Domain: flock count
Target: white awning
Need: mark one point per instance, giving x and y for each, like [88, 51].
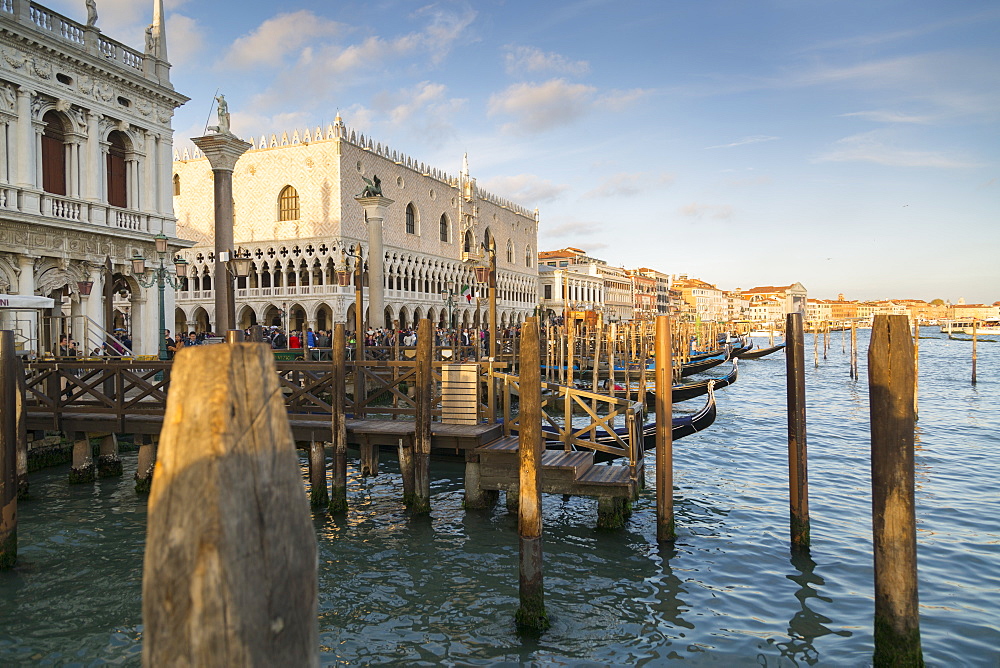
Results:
[27, 302]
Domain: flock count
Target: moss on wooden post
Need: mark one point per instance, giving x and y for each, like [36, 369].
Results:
[338, 492]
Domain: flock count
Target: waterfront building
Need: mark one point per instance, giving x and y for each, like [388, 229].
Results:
[564, 291]
[644, 304]
[85, 154]
[706, 300]
[296, 214]
[792, 297]
[975, 311]
[619, 303]
[662, 289]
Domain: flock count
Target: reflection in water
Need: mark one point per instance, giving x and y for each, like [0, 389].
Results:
[667, 605]
[806, 625]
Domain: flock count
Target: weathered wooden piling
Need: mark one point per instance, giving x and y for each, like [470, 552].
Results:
[8, 450]
[665, 528]
[230, 561]
[109, 463]
[318, 495]
[422, 438]
[854, 351]
[894, 521]
[974, 355]
[82, 470]
[20, 397]
[916, 370]
[798, 477]
[531, 614]
[146, 463]
[338, 416]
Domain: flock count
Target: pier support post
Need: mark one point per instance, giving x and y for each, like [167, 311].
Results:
[406, 470]
[318, 496]
[369, 458]
[20, 397]
[476, 498]
[109, 464]
[422, 439]
[612, 512]
[82, 470]
[8, 450]
[229, 577]
[512, 500]
[531, 614]
[338, 493]
[798, 475]
[894, 519]
[145, 464]
[665, 529]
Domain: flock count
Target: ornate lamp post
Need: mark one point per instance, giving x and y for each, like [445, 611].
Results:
[159, 276]
[359, 307]
[487, 275]
[448, 294]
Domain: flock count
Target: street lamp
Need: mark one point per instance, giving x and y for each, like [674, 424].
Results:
[159, 276]
[342, 279]
[487, 275]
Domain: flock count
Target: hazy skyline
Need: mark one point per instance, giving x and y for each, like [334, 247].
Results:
[849, 146]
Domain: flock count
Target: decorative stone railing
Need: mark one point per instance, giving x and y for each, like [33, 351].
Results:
[44, 19]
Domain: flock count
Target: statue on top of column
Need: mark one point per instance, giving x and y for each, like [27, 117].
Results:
[91, 13]
[223, 127]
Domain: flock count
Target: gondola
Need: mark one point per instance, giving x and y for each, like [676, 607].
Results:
[741, 347]
[760, 352]
[692, 368]
[684, 391]
[683, 425]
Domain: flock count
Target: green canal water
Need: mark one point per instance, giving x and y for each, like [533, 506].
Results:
[443, 590]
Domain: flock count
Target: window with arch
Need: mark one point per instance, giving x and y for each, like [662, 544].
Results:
[117, 179]
[529, 261]
[444, 229]
[469, 243]
[53, 154]
[288, 204]
[510, 252]
[411, 219]
[177, 185]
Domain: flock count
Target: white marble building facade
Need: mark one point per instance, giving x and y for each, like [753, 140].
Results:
[85, 166]
[295, 212]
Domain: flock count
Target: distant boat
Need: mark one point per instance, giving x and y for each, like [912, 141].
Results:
[760, 352]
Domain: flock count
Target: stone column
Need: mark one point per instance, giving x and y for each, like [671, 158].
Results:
[165, 182]
[4, 150]
[222, 151]
[92, 187]
[375, 212]
[25, 146]
[95, 306]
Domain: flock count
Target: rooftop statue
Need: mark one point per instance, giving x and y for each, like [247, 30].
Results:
[372, 189]
[91, 13]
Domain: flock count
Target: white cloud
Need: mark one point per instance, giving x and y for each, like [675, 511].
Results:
[626, 184]
[539, 107]
[886, 116]
[526, 189]
[753, 139]
[277, 37]
[574, 228]
[869, 147]
[185, 40]
[530, 60]
[701, 211]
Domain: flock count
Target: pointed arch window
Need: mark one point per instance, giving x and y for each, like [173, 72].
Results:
[528, 259]
[288, 204]
[444, 229]
[177, 185]
[510, 252]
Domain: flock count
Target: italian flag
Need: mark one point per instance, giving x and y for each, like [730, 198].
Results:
[467, 293]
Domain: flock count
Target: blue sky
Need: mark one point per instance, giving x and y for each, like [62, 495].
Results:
[848, 145]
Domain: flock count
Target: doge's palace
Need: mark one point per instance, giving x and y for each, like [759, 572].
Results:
[85, 169]
[295, 212]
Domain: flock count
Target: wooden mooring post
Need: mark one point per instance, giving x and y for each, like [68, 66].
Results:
[894, 520]
[338, 416]
[230, 562]
[21, 397]
[146, 463]
[422, 438]
[319, 497]
[531, 616]
[9, 388]
[665, 529]
[798, 476]
[974, 355]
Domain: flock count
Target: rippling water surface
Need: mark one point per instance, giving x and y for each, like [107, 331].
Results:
[729, 592]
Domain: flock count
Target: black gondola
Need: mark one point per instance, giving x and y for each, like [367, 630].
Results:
[760, 352]
[692, 368]
[684, 391]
